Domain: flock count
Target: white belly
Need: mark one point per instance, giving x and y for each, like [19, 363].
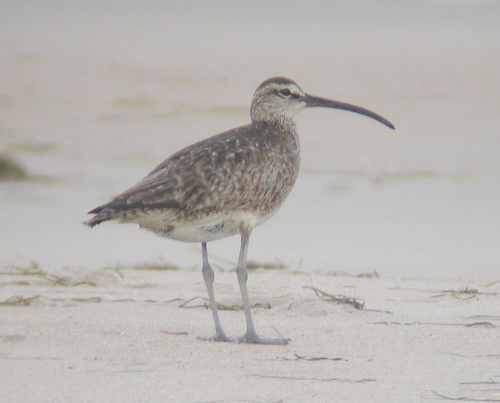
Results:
[211, 228]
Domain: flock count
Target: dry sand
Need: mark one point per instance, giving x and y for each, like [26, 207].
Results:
[94, 94]
[131, 336]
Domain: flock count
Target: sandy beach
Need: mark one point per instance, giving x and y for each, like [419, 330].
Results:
[131, 335]
[382, 267]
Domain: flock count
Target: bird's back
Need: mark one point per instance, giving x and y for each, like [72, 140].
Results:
[245, 173]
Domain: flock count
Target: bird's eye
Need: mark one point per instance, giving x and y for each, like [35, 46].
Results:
[285, 92]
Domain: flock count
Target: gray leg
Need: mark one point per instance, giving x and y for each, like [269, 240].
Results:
[208, 276]
[250, 336]
[241, 271]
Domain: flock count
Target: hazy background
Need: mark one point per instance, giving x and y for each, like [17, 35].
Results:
[93, 95]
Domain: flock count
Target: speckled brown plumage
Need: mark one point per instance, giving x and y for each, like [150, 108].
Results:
[249, 168]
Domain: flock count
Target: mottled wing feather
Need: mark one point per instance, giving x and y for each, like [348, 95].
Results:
[233, 170]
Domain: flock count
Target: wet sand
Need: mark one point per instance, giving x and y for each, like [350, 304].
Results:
[89, 118]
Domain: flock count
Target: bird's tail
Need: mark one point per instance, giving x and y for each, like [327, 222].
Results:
[101, 214]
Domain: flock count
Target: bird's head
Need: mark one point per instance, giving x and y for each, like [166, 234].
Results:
[278, 99]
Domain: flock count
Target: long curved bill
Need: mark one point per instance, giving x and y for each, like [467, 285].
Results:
[312, 101]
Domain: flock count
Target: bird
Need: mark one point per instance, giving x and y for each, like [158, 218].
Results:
[226, 185]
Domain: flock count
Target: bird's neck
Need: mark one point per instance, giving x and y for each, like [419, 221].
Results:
[277, 125]
[285, 130]
[281, 122]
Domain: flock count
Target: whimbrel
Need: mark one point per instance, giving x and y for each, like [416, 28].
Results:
[226, 185]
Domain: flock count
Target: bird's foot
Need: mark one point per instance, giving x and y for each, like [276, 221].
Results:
[218, 337]
[248, 337]
[252, 338]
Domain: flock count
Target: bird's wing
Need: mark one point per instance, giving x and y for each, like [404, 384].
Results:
[224, 171]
